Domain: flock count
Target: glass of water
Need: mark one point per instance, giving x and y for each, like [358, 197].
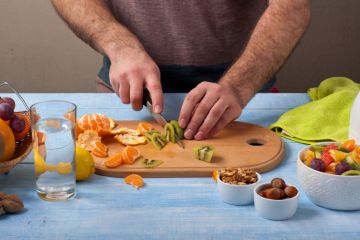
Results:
[53, 125]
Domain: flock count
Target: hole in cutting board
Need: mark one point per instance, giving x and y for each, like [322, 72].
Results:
[255, 142]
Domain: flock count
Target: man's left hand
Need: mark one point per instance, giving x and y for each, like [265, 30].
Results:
[207, 109]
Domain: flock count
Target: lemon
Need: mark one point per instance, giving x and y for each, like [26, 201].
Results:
[40, 165]
[85, 165]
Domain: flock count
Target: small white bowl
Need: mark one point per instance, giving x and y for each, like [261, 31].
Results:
[237, 194]
[274, 209]
[327, 190]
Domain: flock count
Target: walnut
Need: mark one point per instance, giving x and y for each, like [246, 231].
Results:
[10, 204]
[238, 176]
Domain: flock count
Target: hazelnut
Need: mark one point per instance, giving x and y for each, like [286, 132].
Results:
[2, 195]
[11, 206]
[291, 191]
[2, 210]
[278, 183]
[274, 193]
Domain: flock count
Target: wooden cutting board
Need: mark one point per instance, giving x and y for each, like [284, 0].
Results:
[238, 145]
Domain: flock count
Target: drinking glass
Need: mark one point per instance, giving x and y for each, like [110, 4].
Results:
[53, 124]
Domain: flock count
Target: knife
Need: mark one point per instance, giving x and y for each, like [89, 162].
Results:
[158, 117]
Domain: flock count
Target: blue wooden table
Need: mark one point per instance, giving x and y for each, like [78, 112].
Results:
[166, 208]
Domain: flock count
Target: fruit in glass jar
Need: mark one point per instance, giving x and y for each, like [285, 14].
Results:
[318, 165]
[342, 167]
[6, 111]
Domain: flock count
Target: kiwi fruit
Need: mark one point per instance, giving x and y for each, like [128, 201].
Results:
[169, 133]
[179, 131]
[203, 153]
[151, 163]
[158, 141]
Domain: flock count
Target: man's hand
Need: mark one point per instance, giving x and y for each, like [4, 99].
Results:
[131, 70]
[208, 108]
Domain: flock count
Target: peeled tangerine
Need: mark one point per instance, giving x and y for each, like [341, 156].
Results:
[134, 180]
[7, 142]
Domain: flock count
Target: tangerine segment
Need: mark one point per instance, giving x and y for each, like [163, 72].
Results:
[144, 127]
[114, 161]
[215, 175]
[99, 149]
[96, 122]
[130, 154]
[134, 180]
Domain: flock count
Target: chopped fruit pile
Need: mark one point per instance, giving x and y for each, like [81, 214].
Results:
[172, 133]
[127, 156]
[203, 153]
[14, 127]
[134, 180]
[340, 159]
[91, 141]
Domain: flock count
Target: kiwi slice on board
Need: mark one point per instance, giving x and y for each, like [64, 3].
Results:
[158, 141]
[151, 163]
[169, 133]
[203, 153]
[179, 131]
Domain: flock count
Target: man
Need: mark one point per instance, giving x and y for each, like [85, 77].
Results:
[221, 51]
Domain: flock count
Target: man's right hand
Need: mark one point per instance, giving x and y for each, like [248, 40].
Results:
[131, 71]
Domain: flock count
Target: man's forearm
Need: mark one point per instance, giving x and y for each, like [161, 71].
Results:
[274, 37]
[94, 23]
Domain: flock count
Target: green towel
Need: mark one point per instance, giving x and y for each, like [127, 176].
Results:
[326, 118]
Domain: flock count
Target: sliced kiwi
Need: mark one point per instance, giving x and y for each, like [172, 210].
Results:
[169, 133]
[158, 141]
[151, 163]
[351, 173]
[203, 153]
[179, 131]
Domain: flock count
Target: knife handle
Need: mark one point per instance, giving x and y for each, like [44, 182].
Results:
[146, 97]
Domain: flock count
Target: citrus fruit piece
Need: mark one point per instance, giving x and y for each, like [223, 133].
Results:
[131, 140]
[7, 142]
[95, 122]
[114, 161]
[144, 127]
[84, 163]
[21, 135]
[130, 154]
[100, 149]
[134, 180]
[64, 168]
[88, 139]
[39, 162]
[124, 130]
[215, 175]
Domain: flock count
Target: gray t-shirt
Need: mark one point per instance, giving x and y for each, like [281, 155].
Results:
[189, 34]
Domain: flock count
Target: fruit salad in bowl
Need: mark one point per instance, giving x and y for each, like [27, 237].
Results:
[329, 174]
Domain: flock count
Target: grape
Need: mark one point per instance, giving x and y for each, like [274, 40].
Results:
[17, 124]
[317, 164]
[9, 100]
[342, 167]
[6, 111]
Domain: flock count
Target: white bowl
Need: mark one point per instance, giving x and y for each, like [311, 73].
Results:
[327, 190]
[274, 209]
[237, 194]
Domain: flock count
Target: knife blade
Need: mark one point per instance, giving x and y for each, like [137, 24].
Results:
[158, 117]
